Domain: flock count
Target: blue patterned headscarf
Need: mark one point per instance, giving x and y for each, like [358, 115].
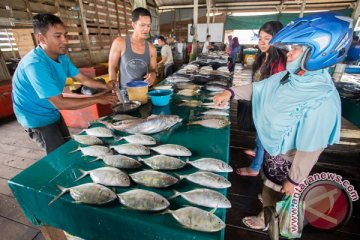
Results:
[303, 114]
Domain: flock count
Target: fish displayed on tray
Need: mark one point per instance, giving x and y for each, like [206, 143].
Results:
[143, 200]
[89, 193]
[108, 176]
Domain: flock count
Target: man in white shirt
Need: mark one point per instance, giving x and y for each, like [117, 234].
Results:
[166, 57]
[207, 45]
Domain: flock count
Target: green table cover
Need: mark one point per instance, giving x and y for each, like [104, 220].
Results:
[34, 187]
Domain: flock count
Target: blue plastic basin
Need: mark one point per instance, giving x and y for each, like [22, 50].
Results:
[160, 97]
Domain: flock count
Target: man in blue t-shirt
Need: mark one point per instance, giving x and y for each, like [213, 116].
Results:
[39, 81]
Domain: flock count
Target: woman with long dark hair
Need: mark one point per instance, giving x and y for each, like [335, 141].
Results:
[269, 60]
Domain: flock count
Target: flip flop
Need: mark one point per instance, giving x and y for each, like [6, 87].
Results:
[246, 172]
[254, 222]
[250, 152]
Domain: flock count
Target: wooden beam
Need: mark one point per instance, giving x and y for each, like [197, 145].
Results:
[303, 5]
[356, 12]
[85, 30]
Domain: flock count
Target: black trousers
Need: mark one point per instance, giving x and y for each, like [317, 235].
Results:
[168, 70]
[50, 137]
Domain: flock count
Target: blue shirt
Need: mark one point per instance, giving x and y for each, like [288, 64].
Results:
[37, 78]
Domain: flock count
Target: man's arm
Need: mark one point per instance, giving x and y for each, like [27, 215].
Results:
[117, 48]
[68, 103]
[151, 76]
[89, 82]
[163, 60]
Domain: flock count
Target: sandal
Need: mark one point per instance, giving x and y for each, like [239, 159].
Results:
[246, 172]
[250, 152]
[254, 222]
[272, 220]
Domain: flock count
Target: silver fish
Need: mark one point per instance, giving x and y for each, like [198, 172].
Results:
[172, 150]
[216, 112]
[87, 140]
[94, 151]
[121, 117]
[99, 132]
[198, 219]
[154, 124]
[215, 88]
[191, 103]
[151, 178]
[191, 86]
[177, 79]
[108, 176]
[207, 179]
[211, 123]
[139, 139]
[121, 125]
[143, 200]
[162, 162]
[225, 107]
[204, 197]
[204, 117]
[90, 193]
[131, 149]
[163, 87]
[188, 93]
[119, 161]
[211, 165]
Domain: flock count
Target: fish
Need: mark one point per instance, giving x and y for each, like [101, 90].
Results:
[119, 161]
[204, 197]
[94, 151]
[218, 82]
[162, 162]
[151, 178]
[225, 107]
[211, 123]
[197, 219]
[211, 165]
[89, 193]
[99, 132]
[216, 112]
[190, 86]
[164, 87]
[215, 88]
[153, 124]
[121, 125]
[172, 150]
[204, 117]
[139, 139]
[188, 93]
[207, 179]
[191, 103]
[143, 200]
[87, 140]
[131, 149]
[177, 79]
[108, 176]
[121, 117]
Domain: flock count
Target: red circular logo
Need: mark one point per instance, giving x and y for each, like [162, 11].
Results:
[327, 205]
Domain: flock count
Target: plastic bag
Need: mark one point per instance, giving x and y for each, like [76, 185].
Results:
[291, 217]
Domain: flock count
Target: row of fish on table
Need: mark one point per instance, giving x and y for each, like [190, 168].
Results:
[139, 145]
[195, 84]
[130, 156]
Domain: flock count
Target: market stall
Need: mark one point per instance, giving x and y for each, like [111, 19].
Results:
[113, 220]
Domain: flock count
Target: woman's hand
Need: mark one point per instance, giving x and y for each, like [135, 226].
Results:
[222, 98]
[288, 188]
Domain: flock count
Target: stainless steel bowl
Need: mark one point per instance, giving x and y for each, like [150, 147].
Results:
[127, 107]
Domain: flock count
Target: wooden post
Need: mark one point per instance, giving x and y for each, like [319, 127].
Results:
[126, 23]
[356, 12]
[302, 8]
[195, 36]
[208, 7]
[117, 16]
[98, 26]
[85, 30]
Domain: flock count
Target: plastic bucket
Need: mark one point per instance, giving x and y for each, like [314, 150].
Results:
[160, 97]
[137, 91]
